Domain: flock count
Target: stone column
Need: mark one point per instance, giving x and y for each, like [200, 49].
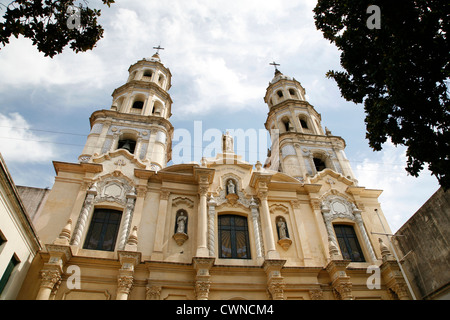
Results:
[51, 273]
[131, 200]
[204, 177]
[257, 229]
[114, 142]
[211, 226]
[160, 226]
[137, 148]
[203, 278]
[275, 282]
[304, 243]
[202, 223]
[129, 260]
[327, 217]
[360, 223]
[268, 236]
[80, 200]
[82, 219]
[340, 281]
[153, 292]
[50, 278]
[124, 285]
[141, 192]
[392, 275]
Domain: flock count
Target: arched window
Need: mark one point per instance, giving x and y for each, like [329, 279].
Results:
[233, 237]
[158, 108]
[161, 80]
[280, 94]
[287, 124]
[292, 93]
[304, 123]
[319, 163]
[348, 243]
[138, 105]
[148, 73]
[103, 230]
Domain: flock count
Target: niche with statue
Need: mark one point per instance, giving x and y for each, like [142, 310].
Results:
[283, 233]
[181, 225]
[231, 191]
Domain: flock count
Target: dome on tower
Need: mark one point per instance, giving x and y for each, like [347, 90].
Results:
[280, 76]
[283, 88]
[154, 58]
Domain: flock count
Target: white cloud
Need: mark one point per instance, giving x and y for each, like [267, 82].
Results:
[20, 145]
[219, 53]
[402, 194]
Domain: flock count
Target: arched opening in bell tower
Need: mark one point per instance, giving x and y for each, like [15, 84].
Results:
[319, 163]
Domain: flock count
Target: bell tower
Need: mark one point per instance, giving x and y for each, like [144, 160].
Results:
[137, 124]
[300, 146]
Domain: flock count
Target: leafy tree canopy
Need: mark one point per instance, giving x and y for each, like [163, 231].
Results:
[52, 25]
[400, 71]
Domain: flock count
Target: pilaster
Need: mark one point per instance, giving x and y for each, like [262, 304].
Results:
[202, 278]
[51, 273]
[392, 275]
[204, 177]
[211, 226]
[275, 282]
[340, 281]
[128, 260]
[260, 182]
[153, 292]
[160, 226]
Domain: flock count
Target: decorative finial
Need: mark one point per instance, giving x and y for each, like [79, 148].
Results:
[385, 252]
[333, 250]
[64, 236]
[132, 241]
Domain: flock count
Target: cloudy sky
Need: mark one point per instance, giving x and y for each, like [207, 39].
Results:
[218, 53]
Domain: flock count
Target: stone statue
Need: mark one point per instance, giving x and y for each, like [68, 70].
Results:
[181, 223]
[227, 143]
[231, 187]
[282, 229]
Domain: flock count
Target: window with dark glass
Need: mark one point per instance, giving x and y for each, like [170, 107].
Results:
[348, 243]
[233, 237]
[7, 274]
[103, 230]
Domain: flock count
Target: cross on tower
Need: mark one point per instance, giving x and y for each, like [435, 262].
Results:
[158, 48]
[275, 65]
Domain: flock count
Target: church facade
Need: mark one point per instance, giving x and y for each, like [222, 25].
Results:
[121, 224]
